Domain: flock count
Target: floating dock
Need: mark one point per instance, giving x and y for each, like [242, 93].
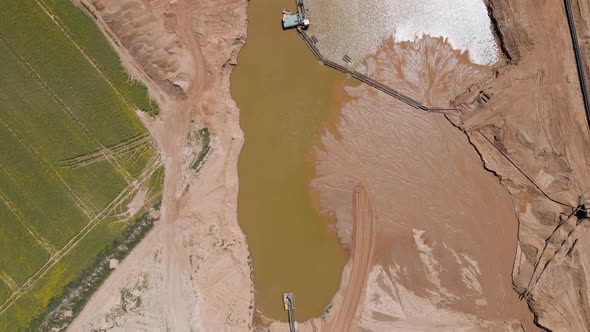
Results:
[289, 304]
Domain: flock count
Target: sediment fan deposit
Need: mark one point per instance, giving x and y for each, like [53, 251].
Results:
[445, 231]
[191, 272]
[441, 260]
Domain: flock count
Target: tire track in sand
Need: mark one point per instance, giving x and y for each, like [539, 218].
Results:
[362, 252]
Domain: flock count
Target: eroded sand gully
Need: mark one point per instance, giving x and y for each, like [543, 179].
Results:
[446, 230]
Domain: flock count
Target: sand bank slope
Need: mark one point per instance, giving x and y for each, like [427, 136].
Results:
[533, 134]
[191, 272]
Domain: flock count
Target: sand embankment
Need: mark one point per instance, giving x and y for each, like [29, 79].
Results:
[191, 272]
[346, 318]
[446, 234]
[534, 135]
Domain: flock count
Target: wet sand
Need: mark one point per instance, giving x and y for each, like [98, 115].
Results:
[446, 230]
[347, 314]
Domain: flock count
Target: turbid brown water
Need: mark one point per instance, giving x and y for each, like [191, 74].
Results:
[284, 97]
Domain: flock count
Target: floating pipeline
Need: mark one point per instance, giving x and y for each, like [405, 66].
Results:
[369, 81]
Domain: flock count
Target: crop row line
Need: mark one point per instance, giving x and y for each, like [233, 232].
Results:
[84, 207]
[121, 197]
[18, 215]
[7, 280]
[54, 18]
[72, 115]
[48, 219]
[137, 153]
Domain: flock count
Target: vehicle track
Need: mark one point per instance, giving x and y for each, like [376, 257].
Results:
[113, 151]
[362, 253]
[49, 248]
[123, 195]
[69, 112]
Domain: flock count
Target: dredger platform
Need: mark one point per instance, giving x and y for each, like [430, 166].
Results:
[289, 303]
[296, 20]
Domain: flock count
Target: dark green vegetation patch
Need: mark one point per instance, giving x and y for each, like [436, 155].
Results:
[73, 154]
[200, 159]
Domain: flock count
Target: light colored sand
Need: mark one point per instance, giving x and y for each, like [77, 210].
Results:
[537, 125]
[446, 234]
[191, 272]
[347, 314]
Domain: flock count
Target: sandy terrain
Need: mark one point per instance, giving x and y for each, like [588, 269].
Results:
[581, 10]
[529, 129]
[533, 134]
[444, 229]
[196, 254]
[446, 233]
[346, 318]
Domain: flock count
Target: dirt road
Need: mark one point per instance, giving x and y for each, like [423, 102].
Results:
[181, 51]
[363, 245]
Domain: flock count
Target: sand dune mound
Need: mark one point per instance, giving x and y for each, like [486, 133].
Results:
[151, 41]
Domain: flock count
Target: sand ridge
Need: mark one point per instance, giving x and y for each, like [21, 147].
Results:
[347, 315]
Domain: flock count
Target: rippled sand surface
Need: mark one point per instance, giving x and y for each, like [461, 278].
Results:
[446, 231]
[358, 27]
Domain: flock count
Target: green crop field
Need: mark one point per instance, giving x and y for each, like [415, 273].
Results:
[73, 153]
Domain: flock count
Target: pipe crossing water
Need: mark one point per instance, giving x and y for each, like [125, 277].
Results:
[310, 42]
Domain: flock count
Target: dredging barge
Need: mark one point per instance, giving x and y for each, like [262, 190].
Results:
[297, 20]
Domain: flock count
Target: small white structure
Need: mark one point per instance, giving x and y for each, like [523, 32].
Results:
[113, 263]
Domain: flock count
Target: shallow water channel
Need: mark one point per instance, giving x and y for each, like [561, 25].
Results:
[284, 97]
